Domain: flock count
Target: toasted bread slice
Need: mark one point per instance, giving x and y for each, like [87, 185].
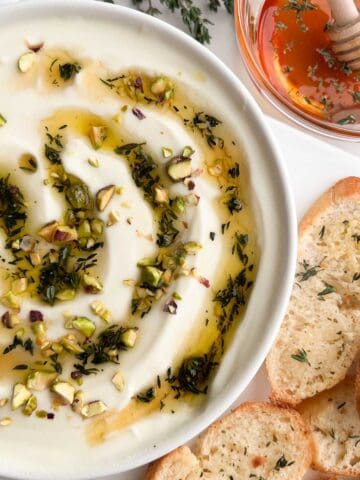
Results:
[320, 335]
[257, 440]
[178, 465]
[335, 428]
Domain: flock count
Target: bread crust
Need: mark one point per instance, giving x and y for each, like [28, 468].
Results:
[164, 468]
[347, 187]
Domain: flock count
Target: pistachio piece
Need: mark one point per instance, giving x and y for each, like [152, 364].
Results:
[178, 205]
[187, 151]
[65, 391]
[84, 325]
[161, 195]
[9, 320]
[93, 162]
[91, 284]
[78, 402]
[100, 310]
[19, 285]
[104, 196]
[158, 86]
[2, 120]
[113, 218]
[26, 61]
[35, 258]
[30, 406]
[48, 230]
[97, 135]
[63, 233]
[4, 422]
[93, 408]
[78, 196]
[66, 294]
[167, 152]
[118, 381]
[151, 276]
[71, 345]
[84, 229]
[28, 163]
[20, 396]
[179, 168]
[192, 247]
[40, 380]
[39, 328]
[97, 226]
[10, 300]
[128, 338]
[3, 402]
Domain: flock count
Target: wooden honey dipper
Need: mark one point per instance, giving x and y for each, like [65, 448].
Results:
[345, 34]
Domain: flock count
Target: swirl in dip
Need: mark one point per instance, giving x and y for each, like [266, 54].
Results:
[128, 241]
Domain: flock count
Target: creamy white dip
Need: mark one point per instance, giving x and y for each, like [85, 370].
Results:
[163, 338]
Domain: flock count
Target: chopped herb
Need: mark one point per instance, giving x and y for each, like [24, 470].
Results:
[301, 356]
[327, 56]
[212, 236]
[147, 396]
[12, 208]
[349, 120]
[327, 290]
[322, 231]
[356, 277]
[356, 97]
[22, 366]
[308, 271]
[282, 463]
[68, 70]
[356, 237]
[234, 171]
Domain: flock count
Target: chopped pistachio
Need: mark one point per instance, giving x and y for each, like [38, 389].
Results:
[118, 381]
[35, 258]
[179, 168]
[57, 348]
[97, 226]
[10, 320]
[71, 345]
[20, 396]
[91, 284]
[78, 197]
[65, 390]
[158, 86]
[187, 152]
[178, 205]
[26, 61]
[104, 196]
[16, 244]
[20, 333]
[93, 408]
[19, 285]
[63, 233]
[216, 170]
[128, 338]
[177, 296]
[99, 309]
[40, 380]
[113, 218]
[97, 135]
[30, 406]
[93, 162]
[66, 294]
[78, 402]
[167, 152]
[161, 195]
[84, 229]
[10, 300]
[39, 328]
[28, 163]
[151, 276]
[3, 402]
[84, 325]
[4, 422]
[48, 230]
[2, 120]
[192, 247]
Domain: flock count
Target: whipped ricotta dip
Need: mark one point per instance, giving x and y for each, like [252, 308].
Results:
[128, 240]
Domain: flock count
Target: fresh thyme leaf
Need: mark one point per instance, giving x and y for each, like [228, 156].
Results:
[301, 356]
[282, 463]
[308, 272]
[147, 396]
[21, 366]
[349, 120]
[12, 209]
[322, 231]
[300, 5]
[68, 70]
[85, 371]
[327, 290]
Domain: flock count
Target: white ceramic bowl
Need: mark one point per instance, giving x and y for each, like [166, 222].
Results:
[43, 455]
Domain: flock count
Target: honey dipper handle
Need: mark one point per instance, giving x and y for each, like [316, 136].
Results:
[344, 11]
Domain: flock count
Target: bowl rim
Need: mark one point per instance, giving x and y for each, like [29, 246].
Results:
[281, 104]
[288, 221]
